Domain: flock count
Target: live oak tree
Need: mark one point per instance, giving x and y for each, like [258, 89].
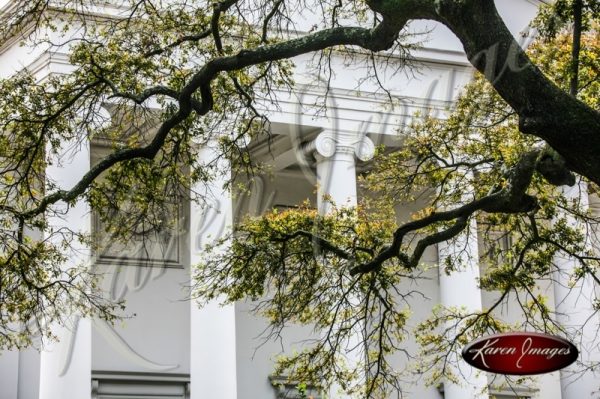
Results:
[173, 77]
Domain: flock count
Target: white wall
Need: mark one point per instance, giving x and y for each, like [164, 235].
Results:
[155, 335]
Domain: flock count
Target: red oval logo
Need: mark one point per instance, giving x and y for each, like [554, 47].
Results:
[520, 353]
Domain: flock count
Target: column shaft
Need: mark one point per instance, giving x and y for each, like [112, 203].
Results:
[459, 289]
[65, 366]
[336, 183]
[213, 327]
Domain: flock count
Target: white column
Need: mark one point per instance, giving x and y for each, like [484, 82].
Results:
[336, 183]
[336, 167]
[459, 289]
[575, 312]
[213, 336]
[65, 366]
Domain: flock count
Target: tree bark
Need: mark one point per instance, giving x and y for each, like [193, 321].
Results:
[566, 124]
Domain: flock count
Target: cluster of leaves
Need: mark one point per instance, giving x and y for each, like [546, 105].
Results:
[296, 265]
[554, 57]
[35, 293]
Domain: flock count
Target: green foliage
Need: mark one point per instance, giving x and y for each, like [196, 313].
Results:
[555, 60]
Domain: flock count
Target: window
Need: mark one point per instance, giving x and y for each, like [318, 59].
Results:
[511, 391]
[117, 385]
[509, 397]
[147, 246]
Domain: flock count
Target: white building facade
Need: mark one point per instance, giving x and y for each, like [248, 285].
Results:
[170, 348]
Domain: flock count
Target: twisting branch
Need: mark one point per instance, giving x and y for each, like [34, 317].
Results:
[321, 242]
[270, 15]
[511, 199]
[436, 238]
[188, 38]
[214, 22]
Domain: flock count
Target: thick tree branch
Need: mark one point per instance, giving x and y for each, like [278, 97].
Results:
[544, 110]
[374, 39]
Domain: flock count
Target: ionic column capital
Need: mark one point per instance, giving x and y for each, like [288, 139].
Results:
[329, 143]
